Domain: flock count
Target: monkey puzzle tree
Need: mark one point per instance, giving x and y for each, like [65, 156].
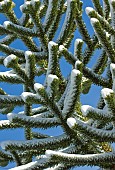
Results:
[87, 131]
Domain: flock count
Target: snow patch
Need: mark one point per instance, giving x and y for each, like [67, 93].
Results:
[74, 73]
[78, 62]
[4, 122]
[4, 2]
[25, 95]
[34, 1]
[38, 86]
[49, 9]
[61, 48]
[10, 116]
[77, 41]
[71, 122]
[106, 92]
[111, 1]
[26, 166]
[48, 153]
[94, 20]
[51, 44]
[112, 67]
[6, 24]
[69, 1]
[50, 78]
[28, 53]
[88, 10]
[25, 5]
[9, 59]
[85, 109]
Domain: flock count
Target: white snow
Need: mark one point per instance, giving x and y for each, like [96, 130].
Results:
[50, 79]
[51, 44]
[85, 109]
[9, 74]
[28, 53]
[67, 18]
[23, 167]
[4, 2]
[10, 116]
[113, 85]
[21, 7]
[71, 122]
[77, 41]
[27, 3]
[69, 1]
[112, 67]
[106, 92]
[34, 1]
[78, 62]
[35, 142]
[1, 3]
[88, 10]
[25, 95]
[36, 118]
[94, 20]
[6, 24]
[49, 9]
[61, 48]
[38, 86]
[74, 73]
[78, 157]
[4, 122]
[107, 34]
[70, 96]
[111, 1]
[48, 153]
[9, 59]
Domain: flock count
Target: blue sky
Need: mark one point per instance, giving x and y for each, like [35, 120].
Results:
[90, 99]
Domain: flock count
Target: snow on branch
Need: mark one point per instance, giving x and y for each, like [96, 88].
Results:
[65, 30]
[68, 55]
[33, 121]
[31, 98]
[89, 10]
[73, 93]
[98, 134]
[5, 5]
[71, 122]
[10, 78]
[4, 122]
[9, 50]
[51, 142]
[20, 30]
[11, 99]
[52, 60]
[51, 78]
[106, 92]
[8, 61]
[38, 86]
[78, 48]
[50, 14]
[95, 113]
[77, 159]
[103, 38]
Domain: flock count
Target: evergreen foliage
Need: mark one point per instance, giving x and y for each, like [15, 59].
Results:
[87, 131]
